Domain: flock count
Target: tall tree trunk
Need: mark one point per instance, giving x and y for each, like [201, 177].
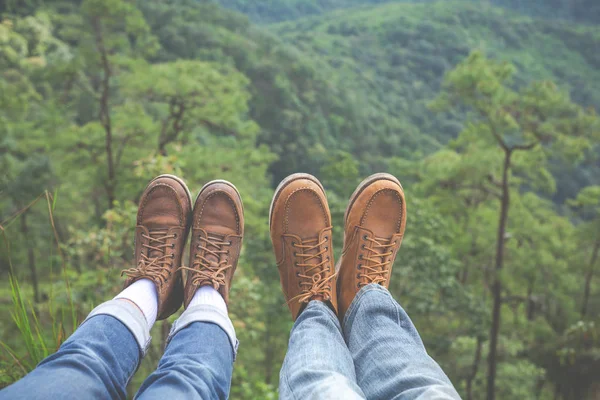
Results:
[588, 278]
[97, 207]
[162, 148]
[530, 302]
[556, 392]
[30, 257]
[104, 113]
[539, 387]
[472, 253]
[172, 126]
[474, 369]
[497, 285]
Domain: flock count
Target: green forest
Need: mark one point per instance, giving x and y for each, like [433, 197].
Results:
[484, 109]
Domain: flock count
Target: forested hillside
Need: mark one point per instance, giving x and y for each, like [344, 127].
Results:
[587, 11]
[486, 115]
[394, 57]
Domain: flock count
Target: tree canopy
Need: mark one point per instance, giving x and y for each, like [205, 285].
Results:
[486, 115]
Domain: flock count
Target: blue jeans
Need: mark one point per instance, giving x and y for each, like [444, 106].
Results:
[376, 354]
[100, 358]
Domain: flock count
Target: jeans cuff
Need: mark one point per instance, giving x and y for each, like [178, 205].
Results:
[206, 313]
[130, 316]
[355, 303]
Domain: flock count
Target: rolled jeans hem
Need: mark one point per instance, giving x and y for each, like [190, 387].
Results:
[130, 316]
[206, 313]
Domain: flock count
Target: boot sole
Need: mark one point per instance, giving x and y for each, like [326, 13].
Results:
[289, 180]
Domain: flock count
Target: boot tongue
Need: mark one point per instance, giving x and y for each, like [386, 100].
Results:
[158, 233]
[213, 237]
[317, 274]
[313, 251]
[379, 250]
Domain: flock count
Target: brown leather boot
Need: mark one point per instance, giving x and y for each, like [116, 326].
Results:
[160, 236]
[217, 232]
[301, 234]
[374, 226]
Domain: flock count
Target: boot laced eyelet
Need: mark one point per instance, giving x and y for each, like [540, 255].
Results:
[230, 242]
[174, 236]
[326, 238]
[359, 266]
[365, 237]
[360, 256]
[364, 247]
[172, 245]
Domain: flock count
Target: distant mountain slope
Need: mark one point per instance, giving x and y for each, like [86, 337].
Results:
[393, 57]
[267, 11]
[360, 80]
[397, 54]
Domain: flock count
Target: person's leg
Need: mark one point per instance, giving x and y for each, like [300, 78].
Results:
[390, 359]
[318, 363]
[95, 362]
[98, 359]
[198, 360]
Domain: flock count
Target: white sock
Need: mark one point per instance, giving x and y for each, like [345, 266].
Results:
[208, 295]
[143, 294]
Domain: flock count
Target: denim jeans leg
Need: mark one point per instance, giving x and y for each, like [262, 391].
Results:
[198, 360]
[389, 356]
[317, 364]
[95, 362]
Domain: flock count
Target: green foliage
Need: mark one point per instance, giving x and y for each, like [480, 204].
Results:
[392, 60]
[30, 331]
[283, 10]
[295, 104]
[37, 343]
[98, 97]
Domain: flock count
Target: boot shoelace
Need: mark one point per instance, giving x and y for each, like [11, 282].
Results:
[209, 266]
[377, 255]
[317, 283]
[154, 262]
